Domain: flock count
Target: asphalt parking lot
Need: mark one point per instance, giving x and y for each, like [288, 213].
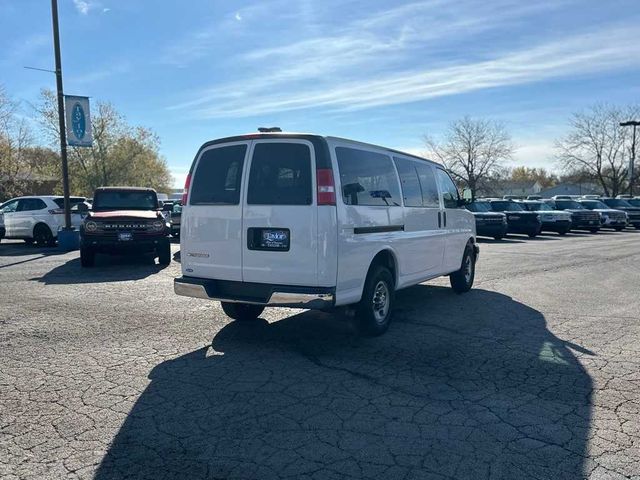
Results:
[105, 373]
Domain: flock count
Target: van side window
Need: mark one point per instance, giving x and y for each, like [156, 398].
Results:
[411, 192]
[450, 194]
[367, 178]
[430, 196]
[280, 175]
[217, 179]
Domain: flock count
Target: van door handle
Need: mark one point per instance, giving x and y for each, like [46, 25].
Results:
[439, 220]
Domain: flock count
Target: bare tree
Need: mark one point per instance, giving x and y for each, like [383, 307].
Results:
[472, 149]
[598, 145]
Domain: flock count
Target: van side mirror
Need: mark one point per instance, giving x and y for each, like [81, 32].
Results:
[467, 197]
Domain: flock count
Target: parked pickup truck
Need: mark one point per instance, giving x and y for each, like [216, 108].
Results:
[552, 220]
[581, 217]
[122, 220]
[488, 223]
[519, 220]
[609, 217]
[625, 206]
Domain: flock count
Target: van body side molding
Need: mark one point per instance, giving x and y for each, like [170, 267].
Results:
[381, 229]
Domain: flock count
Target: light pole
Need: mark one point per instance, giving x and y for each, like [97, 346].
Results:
[63, 132]
[634, 124]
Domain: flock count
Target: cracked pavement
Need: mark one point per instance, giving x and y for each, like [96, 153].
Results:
[106, 374]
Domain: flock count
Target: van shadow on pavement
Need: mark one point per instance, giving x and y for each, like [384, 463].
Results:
[462, 386]
[108, 268]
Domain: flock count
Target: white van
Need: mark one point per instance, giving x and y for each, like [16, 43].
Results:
[298, 220]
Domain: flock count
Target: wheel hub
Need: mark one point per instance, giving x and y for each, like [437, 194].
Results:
[380, 301]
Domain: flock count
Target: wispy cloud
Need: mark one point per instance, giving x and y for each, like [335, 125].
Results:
[85, 6]
[25, 50]
[573, 55]
[111, 69]
[82, 6]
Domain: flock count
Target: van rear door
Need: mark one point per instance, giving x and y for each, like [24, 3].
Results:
[211, 246]
[280, 214]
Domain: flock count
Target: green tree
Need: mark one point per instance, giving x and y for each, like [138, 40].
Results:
[22, 165]
[121, 154]
[540, 175]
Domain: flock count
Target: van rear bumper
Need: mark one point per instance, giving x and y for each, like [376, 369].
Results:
[320, 298]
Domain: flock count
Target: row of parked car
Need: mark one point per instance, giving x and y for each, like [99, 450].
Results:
[497, 217]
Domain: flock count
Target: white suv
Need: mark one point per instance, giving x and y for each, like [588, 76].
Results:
[296, 220]
[37, 218]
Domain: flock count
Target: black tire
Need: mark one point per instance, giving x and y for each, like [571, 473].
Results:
[164, 254]
[42, 236]
[87, 257]
[242, 311]
[462, 280]
[532, 234]
[619, 229]
[563, 232]
[28, 241]
[498, 237]
[374, 311]
[594, 230]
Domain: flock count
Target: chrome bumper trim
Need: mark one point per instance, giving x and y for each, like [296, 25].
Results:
[190, 290]
[288, 299]
[284, 298]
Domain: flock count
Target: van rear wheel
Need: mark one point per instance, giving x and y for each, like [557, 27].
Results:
[374, 310]
[241, 311]
[462, 280]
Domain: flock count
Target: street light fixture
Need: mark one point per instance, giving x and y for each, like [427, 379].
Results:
[634, 124]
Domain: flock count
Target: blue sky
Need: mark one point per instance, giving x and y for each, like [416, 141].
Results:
[377, 71]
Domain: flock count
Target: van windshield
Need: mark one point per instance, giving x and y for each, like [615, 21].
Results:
[594, 204]
[617, 203]
[125, 200]
[538, 207]
[507, 206]
[569, 204]
[479, 207]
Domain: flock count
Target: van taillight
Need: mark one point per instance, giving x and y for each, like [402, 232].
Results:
[185, 193]
[326, 187]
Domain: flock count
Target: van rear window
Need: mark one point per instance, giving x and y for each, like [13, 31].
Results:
[280, 175]
[367, 178]
[218, 176]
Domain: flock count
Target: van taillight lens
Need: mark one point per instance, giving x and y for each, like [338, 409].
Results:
[326, 187]
[185, 193]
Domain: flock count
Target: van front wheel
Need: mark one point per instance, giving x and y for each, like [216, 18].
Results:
[462, 280]
[374, 310]
[241, 311]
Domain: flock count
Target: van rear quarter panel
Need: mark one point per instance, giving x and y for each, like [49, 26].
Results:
[356, 251]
